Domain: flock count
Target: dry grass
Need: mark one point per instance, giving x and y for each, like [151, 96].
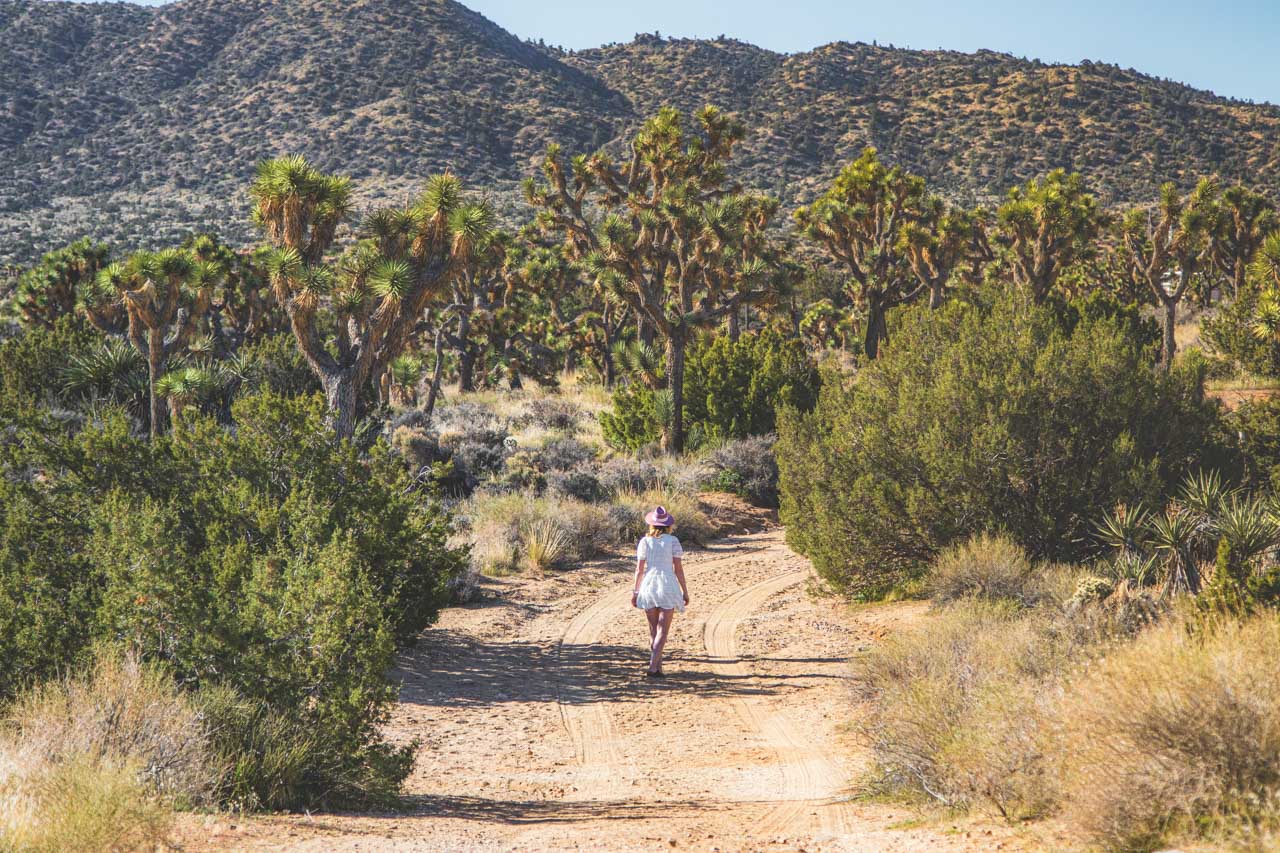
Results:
[1177, 735]
[78, 805]
[996, 568]
[958, 713]
[99, 762]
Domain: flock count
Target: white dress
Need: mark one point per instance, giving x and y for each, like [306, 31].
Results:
[659, 587]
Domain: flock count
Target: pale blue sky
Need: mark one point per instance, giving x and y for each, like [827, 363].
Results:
[1228, 47]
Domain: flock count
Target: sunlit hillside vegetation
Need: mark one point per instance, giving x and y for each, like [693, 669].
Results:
[138, 125]
[239, 476]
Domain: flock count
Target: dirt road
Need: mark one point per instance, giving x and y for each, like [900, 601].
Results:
[540, 731]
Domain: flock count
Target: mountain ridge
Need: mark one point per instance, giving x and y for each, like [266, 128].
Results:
[136, 124]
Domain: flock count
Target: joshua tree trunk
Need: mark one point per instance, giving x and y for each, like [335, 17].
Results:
[1170, 341]
[436, 375]
[606, 360]
[935, 295]
[675, 381]
[155, 369]
[734, 325]
[340, 392]
[877, 330]
[644, 330]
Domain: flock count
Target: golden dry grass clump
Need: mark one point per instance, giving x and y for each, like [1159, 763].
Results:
[99, 761]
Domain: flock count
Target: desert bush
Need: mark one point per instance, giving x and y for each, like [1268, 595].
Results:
[32, 365]
[1257, 422]
[692, 524]
[98, 760]
[748, 468]
[635, 422]
[986, 566]
[1229, 332]
[984, 416]
[464, 417]
[958, 711]
[124, 713]
[275, 364]
[626, 473]
[581, 483]
[562, 454]
[553, 414]
[1177, 734]
[733, 388]
[270, 559]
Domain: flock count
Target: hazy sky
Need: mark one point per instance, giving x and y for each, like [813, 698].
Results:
[1229, 47]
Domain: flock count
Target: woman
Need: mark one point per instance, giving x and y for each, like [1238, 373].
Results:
[659, 589]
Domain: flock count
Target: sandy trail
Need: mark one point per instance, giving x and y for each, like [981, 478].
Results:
[540, 732]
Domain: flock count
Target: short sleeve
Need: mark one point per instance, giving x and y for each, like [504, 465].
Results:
[642, 548]
[676, 550]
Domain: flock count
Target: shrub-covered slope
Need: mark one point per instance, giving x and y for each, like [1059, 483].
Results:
[115, 118]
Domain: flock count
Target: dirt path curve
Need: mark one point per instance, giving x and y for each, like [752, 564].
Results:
[809, 778]
[540, 732]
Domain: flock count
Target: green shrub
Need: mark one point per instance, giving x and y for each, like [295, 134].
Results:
[32, 364]
[634, 423]
[1228, 332]
[982, 417]
[269, 559]
[733, 388]
[1258, 424]
[274, 363]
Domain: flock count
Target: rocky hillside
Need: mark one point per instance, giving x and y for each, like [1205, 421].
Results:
[138, 124]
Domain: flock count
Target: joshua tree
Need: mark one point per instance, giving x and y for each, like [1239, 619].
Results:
[860, 221]
[164, 295]
[1045, 226]
[940, 241]
[664, 232]
[243, 307]
[476, 293]
[378, 289]
[1166, 246]
[1244, 220]
[49, 290]
[185, 386]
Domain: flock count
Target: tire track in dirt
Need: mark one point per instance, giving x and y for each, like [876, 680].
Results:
[810, 779]
[583, 711]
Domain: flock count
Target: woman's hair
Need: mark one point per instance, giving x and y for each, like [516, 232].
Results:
[655, 530]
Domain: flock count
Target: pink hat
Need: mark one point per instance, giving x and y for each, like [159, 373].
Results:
[659, 518]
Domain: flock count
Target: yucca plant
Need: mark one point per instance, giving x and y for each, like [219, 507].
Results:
[185, 386]
[113, 372]
[545, 544]
[1142, 569]
[1176, 533]
[1248, 527]
[1125, 529]
[1203, 495]
[640, 362]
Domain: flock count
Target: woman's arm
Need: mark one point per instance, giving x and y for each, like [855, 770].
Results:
[678, 564]
[635, 587]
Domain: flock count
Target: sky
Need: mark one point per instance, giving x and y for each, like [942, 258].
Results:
[1228, 47]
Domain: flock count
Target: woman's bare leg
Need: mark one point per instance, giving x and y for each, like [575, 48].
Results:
[660, 639]
[652, 615]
